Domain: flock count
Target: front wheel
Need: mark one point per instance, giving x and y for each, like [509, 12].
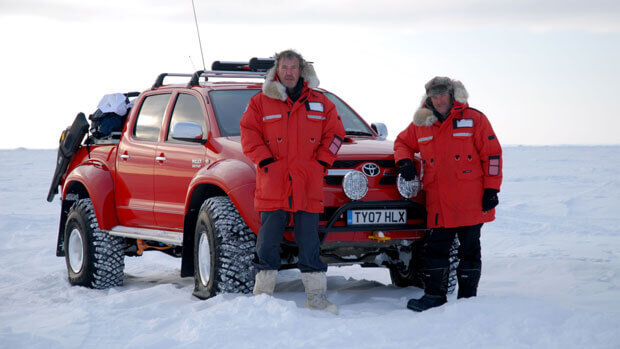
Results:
[410, 274]
[223, 250]
[454, 263]
[94, 258]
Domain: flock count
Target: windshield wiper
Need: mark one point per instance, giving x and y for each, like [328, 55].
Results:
[359, 133]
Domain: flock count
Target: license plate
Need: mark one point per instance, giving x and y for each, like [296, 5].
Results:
[376, 217]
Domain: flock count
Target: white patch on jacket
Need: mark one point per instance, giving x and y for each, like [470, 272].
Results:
[275, 89]
[425, 117]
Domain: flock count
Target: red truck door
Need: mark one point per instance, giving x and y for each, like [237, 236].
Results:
[136, 159]
[177, 162]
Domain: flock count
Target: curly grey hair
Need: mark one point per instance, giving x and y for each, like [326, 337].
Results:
[290, 54]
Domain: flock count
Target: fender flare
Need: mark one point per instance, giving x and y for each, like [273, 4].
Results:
[234, 177]
[97, 179]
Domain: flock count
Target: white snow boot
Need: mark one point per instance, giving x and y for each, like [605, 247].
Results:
[265, 282]
[316, 288]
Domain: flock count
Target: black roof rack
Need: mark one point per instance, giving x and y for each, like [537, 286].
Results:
[160, 79]
[223, 74]
[207, 74]
[255, 68]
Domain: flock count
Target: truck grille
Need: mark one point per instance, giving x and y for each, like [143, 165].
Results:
[355, 163]
[388, 179]
[333, 180]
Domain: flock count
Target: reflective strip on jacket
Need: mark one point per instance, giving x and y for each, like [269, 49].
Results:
[461, 156]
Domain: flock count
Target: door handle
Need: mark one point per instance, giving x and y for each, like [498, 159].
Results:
[125, 156]
[160, 158]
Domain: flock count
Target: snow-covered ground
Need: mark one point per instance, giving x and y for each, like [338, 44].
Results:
[551, 277]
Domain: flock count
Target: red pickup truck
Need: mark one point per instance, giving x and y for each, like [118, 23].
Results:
[175, 180]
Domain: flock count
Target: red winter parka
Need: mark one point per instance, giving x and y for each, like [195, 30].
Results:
[461, 156]
[295, 134]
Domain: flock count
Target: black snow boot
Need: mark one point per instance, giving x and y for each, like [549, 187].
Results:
[435, 281]
[468, 282]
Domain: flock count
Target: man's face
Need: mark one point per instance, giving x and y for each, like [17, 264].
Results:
[288, 72]
[442, 102]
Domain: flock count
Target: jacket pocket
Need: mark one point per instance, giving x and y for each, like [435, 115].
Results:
[314, 124]
[463, 142]
[425, 144]
[271, 181]
[273, 126]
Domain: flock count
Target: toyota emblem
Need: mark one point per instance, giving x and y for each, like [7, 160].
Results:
[370, 169]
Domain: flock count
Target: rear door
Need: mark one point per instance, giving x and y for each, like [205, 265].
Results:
[136, 158]
[178, 161]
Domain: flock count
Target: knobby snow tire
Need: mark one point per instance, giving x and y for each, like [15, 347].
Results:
[231, 246]
[411, 274]
[102, 255]
[454, 263]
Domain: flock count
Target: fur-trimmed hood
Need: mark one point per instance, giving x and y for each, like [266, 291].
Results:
[274, 89]
[424, 115]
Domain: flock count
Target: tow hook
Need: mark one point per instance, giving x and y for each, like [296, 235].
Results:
[379, 236]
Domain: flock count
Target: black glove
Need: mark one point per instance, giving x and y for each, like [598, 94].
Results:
[265, 162]
[407, 169]
[489, 199]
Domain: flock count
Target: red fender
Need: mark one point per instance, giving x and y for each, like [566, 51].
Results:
[97, 179]
[237, 179]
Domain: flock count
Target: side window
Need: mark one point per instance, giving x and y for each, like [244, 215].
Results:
[187, 109]
[150, 117]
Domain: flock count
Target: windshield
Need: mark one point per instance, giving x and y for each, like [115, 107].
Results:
[353, 124]
[229, 106]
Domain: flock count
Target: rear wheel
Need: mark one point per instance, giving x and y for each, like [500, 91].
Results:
[94, 258]
[223, 250]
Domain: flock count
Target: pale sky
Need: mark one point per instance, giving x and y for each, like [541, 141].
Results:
[544, 72]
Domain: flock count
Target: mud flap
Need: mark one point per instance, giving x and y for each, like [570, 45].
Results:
[70, 140]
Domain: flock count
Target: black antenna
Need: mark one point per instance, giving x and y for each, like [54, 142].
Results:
[199, 41]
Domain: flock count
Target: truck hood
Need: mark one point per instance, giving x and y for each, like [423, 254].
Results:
[364, 148]
[354, 148]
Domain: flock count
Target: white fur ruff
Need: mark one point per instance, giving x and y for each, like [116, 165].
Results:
[425, 116]
[276, 90]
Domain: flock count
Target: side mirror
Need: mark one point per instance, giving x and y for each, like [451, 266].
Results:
[187, 131]
[381, 129]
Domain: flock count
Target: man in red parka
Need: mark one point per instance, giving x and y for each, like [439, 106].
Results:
[292, 132]
[462, 163]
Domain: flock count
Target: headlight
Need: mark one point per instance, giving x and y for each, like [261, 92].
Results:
[408, 189]
[355, 185]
